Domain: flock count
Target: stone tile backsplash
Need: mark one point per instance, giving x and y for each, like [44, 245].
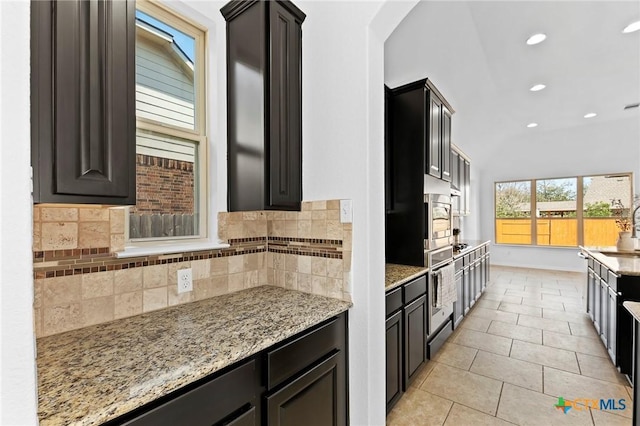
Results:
[79, 282]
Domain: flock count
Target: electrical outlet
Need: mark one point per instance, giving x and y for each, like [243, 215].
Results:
[185, 282]
[346, 211]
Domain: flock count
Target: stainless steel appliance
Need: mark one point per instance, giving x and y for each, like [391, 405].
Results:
[438, 313]
[439, 221]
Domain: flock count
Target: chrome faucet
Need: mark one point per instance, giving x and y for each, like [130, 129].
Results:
[633, 222]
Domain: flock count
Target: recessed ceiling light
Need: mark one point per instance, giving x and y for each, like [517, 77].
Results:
[537, 87]
[532, 125]
[590, 115]
[632, 27]
[536, 38]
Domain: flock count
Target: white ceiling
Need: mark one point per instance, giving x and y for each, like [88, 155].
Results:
[475, 52]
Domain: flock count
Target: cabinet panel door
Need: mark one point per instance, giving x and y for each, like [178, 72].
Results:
[415, 332]
[285, 132]
[434, 135]
[591, 288]
[446, 144]
[311, 399]
[466, 283]
[394, 373]
[597, 305]
[604, 312]
[612, 338]
[467, 188]
[455, 180]
[83, 101]
[458, 305]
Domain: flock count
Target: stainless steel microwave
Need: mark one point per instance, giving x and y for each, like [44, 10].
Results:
[439, 221]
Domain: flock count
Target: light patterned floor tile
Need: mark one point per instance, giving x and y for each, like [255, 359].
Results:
[520, 309]
[509, 370]
[472, 390]
[513, 331]
[456, 355]
[528, 408]
[487, 303]
[545, 355]
[425, 370]
[487, 342]
[494, 315]
[599, 368]
[501, 298]
[539, 303]
[578, 318]
[544, 324]
[584, 330]
[580, 344]
[417, 407]
[461, 415]
[571, 386]
[604, 418]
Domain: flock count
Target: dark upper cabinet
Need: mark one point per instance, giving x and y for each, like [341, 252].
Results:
[264, 105]
[467, 188]
[446, 144]
[83, 101]
[434, 137]
[455, 180]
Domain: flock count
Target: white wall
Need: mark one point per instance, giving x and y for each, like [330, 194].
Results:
[343, 103]
[17, 348]
[595, 149]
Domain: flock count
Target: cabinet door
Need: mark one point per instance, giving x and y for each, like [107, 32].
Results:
[446, 144]
[455, 181]
[394, 371]
[311, 399]
[604, 311]
[458, 306]
[285, 110]
[83, 101]
[612, 314]
[394, 359]
[434, 135]
[415, 332]
[466, 284]
[597, 307]
[591, 288]
[467, 188]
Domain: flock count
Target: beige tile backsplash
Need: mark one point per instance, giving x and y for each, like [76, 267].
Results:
[313, 255]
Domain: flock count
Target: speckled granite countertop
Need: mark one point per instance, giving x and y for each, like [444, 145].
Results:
[633, 308]
[396, 275]
[627, 264]
[95, 374]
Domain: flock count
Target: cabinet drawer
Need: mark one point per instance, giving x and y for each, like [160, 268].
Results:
[613, 281]
[295, 356]
[415, 289]
[393, 301]
[207, 404]
[458, 264]
[436, 343]
[604, 273]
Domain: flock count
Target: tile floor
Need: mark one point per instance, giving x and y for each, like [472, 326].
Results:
[525, 343]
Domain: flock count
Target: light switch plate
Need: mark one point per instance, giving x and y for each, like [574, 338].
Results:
[346, 211]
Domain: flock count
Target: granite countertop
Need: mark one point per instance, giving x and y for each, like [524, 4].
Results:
[396, 275]
[622, 262]
[95, 374]
[633, 308]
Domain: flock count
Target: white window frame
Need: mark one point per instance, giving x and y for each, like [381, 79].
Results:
[207, 237]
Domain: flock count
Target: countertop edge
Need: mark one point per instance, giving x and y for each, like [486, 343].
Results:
[610, 262]
[633, 308]
[405, 280]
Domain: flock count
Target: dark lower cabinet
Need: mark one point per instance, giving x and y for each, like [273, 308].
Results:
[83, 101]
[406, 333]
[264, 104]
[301, 381]
[393, 337]
[311, 399]
[415, 332]
[458, 306]
[231, 397]
[472, 276]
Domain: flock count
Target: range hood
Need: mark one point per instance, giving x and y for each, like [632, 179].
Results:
[455, 191]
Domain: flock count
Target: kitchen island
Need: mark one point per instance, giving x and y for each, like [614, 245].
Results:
[98, 373]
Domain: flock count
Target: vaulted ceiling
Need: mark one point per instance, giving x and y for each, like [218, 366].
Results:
[475, 52]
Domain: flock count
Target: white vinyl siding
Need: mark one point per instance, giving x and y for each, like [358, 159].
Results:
[158, 145]
[164, 87]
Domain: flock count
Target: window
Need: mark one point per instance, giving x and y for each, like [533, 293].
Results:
[563, 212]
[170, 135]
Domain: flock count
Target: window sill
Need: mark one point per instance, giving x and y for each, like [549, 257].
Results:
[169, 248]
